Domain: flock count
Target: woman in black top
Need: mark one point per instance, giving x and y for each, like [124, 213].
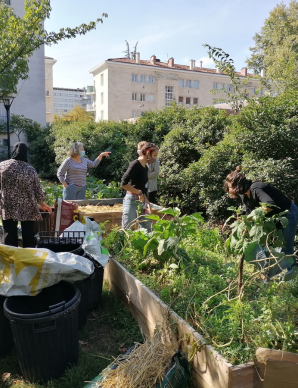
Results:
[253, 194]
[134, 182]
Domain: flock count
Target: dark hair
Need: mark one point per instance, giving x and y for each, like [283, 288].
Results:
[19, 152]
[239, 183]
[147, 146]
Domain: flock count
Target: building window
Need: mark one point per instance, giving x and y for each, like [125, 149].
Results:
[5, 142]
[195, 101]
[134, 78]
[134, 96]
[48, 110]
[181, 83]
[229, 88]
[134, 114]
[187, 101]
[101, 79]
[219, 86]
[151, 80]
[46, 75]
[150, 98]
[188, 83]
[47, 93]
[168, 95]
[101, 98]
[142, 97]
[196, 84]
[143, 79]
[101, 114]
[180, 100]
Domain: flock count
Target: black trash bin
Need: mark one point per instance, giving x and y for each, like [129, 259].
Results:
[94, 284]
[64, 241]
[45, 330]
[6, 339]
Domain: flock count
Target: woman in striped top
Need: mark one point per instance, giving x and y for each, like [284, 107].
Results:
[73, 171]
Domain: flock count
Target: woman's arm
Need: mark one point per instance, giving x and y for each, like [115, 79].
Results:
[96, 162]
[62, 171]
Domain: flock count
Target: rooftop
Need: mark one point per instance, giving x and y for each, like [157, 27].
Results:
[156, 63]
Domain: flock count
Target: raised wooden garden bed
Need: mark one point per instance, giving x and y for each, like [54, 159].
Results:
[209, 368]
[114, 216]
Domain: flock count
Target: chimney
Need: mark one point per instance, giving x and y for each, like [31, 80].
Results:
[171, 62]
[137, 57]
[244, 71]
[263, 73]
[153, 59]
[217, 70]
[191, 64]
[201, 64]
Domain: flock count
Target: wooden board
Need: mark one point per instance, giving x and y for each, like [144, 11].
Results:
[210, 369]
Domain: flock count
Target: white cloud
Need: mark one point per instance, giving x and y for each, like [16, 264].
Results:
[207, 62]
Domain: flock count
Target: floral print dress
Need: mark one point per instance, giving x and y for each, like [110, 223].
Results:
[20, 191]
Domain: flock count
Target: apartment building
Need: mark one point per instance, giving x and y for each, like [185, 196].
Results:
[65, 99]
[49, 63]
[30, 99]
[123, 88]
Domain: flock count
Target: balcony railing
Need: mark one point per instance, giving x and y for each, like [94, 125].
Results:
[91, 107]
[90, 90]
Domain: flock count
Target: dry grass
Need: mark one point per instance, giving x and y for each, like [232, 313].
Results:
[144, 367]
[101, 209]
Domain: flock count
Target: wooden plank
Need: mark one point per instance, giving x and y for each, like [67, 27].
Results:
[210, 369]
[281, 374]
[243, 376]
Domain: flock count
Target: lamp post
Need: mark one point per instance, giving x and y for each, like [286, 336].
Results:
[7, 102]
[140, 106]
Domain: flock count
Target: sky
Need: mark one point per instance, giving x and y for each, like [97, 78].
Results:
[165, 28]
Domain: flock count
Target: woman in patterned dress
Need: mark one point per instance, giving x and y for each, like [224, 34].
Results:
[21, 197]
[73, 171]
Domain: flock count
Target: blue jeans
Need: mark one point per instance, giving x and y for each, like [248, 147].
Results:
[289, 231]
[130, 212]
[73, 192]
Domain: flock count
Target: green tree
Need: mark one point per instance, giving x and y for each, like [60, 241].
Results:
[276, 46]
[20, 124]
[20, 37]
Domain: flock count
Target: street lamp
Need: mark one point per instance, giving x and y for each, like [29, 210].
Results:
[140, 106]
[7, 102]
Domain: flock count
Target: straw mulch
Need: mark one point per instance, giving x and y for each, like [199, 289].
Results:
[144, 367]
[101, 209]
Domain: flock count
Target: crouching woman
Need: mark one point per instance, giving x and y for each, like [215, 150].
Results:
[253, 194]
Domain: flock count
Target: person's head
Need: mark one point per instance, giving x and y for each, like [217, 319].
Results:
[76, 149]
[139, 147]
[149, 149]
[20, 151]
[236, 183]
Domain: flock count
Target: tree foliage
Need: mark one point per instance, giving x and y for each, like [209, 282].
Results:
[76, 114]
[20, 37]
[276, 46]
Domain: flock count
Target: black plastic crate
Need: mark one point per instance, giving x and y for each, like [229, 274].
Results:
[60, 238]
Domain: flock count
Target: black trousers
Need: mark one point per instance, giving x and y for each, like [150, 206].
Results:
[152, 196]
[11, 233]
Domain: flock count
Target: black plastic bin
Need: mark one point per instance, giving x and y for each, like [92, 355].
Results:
[94, 285]
[6, 339]
[45, 330]
[60, 241]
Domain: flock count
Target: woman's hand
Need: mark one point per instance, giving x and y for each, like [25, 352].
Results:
[106, 154]
[44, 207]
[65, 185]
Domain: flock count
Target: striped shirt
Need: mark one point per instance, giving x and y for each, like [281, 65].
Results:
[75, 173]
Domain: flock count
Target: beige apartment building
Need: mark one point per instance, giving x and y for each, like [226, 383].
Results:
[49, 63]
[123, 88]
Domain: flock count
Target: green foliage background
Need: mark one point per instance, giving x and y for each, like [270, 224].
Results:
[198, 148]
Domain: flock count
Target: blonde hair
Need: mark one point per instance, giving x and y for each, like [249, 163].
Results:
[75, 149]
[141, 144]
